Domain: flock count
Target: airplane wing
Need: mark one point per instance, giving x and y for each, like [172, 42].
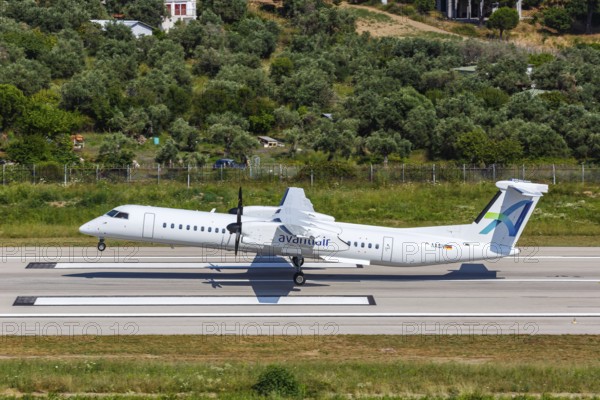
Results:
[295, 217]
[297, 214]
[294, 198]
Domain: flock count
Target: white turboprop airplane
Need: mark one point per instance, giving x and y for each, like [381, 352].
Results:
[295, 230]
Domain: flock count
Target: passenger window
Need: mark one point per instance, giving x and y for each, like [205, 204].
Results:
[377, 246]
[209, 229]
[202, 229]
[362, 245]
[355, 244]
[370, 245]
[172, 226]
[164, 224]
[216, 230]
[195, 228]
[187, 228]
[180, 226]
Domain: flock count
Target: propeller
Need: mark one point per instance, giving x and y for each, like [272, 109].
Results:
[236, 227]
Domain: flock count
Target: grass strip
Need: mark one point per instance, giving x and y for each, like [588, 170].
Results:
[469, 367]
[568, 215]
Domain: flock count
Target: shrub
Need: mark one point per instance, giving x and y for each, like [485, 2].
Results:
[327, 169]
[278, 381]
[399, 9]
[424, 6]
[557, 18]
[465, 30]
[541, 58]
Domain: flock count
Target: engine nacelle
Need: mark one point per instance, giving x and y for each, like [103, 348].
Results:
[265, 212]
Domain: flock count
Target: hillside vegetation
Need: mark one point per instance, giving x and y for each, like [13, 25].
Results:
[209, 87]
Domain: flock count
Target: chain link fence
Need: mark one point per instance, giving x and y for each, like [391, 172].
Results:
[305, 175]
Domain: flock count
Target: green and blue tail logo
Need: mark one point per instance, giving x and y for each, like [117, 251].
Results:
[499, 218]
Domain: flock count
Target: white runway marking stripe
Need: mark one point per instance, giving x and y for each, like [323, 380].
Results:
[564, 257]
[192, 265]
[202, 300]
[304, 315]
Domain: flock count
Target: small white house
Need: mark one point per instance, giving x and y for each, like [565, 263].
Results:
[267, 142]
[138, 28]
[178, 10]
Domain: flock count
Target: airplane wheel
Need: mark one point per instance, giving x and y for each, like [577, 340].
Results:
[101, 246]
[298, 261]
[299, 278]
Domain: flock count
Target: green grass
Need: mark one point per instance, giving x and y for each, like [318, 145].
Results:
[568, 215]
[465, 367]
[371, 16]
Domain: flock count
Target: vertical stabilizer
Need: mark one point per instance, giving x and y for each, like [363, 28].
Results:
[503, 220]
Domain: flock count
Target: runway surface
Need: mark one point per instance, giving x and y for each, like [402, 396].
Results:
[125, 291]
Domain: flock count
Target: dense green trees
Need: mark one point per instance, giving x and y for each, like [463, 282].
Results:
[12, 105]
[309, 79]
[116, 150]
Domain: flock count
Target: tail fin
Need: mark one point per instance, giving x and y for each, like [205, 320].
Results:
[504, 218]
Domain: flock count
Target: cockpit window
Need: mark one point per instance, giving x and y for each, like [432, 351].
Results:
[118, 214]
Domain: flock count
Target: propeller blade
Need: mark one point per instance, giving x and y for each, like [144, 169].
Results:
[237, 226]
[237, 242]
[240, 208]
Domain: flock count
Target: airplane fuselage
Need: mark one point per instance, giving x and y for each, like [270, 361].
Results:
[362, 244]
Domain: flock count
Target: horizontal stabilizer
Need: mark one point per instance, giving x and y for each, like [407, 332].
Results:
[526, 188]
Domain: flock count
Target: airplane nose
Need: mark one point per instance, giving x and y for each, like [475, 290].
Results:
[86, 229]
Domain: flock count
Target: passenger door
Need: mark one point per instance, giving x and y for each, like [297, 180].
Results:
[148, 229]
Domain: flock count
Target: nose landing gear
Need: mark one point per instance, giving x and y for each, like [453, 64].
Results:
[101, 245]
[299, 279]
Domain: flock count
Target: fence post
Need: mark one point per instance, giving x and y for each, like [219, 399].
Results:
[371, 174]
[402, 172]
[582, 173]
[433, 173]
[221, 173]
[65, 174]
[128, 174]
[523, 177]
[34, 174]
[494, 171]
[312, 178]
[3, 174]
[158, 174]
[553, 174]
[464, 173]
[188, 177]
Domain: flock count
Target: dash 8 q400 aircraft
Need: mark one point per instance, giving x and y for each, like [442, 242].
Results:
[293, 229]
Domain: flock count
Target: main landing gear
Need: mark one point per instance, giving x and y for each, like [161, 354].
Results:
[299, 279]
[101, 245]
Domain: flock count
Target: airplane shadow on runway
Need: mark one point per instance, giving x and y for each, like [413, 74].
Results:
[277, 281]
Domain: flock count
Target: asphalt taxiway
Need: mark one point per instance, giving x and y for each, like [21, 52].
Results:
[157, 290]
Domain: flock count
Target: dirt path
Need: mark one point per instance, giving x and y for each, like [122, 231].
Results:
[400, 25]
